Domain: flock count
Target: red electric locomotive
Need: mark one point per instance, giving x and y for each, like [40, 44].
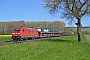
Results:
[22, 33]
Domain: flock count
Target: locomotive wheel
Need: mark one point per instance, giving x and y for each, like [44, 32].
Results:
[15, 40]
[32, 38]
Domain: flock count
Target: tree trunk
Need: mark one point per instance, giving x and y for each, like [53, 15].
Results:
[79, 30]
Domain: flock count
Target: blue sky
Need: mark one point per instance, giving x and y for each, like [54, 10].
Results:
[29, 10]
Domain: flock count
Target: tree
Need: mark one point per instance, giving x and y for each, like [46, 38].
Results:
[72, 9]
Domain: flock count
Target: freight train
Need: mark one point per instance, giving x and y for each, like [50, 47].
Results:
[23, 33]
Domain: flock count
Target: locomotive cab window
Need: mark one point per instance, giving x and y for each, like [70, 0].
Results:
[23, 30]
[16, 30]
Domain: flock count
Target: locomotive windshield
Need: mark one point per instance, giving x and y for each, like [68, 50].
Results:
[16, 30]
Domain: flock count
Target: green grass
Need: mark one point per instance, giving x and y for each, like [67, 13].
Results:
[4, 38]
[60, 48]
[5, 35]
[88, 38]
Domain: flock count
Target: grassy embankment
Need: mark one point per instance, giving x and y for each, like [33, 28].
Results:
[4, 38]
[60, 48]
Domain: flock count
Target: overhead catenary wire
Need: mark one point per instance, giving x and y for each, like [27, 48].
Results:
[13, 9]
[12, 13]
[5, 16]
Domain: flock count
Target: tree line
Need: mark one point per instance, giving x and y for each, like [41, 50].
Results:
[6, 27]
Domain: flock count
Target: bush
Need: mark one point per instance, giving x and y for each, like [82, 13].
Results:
[86, 33]
[6, 34]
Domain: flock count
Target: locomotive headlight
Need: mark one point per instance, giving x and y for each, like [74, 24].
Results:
[13, 33]
[18, 33]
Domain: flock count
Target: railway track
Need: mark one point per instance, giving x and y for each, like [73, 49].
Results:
[12, 42]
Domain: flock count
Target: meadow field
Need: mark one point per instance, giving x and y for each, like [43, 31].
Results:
[60, 48]
[88, 38]
[4, 38]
